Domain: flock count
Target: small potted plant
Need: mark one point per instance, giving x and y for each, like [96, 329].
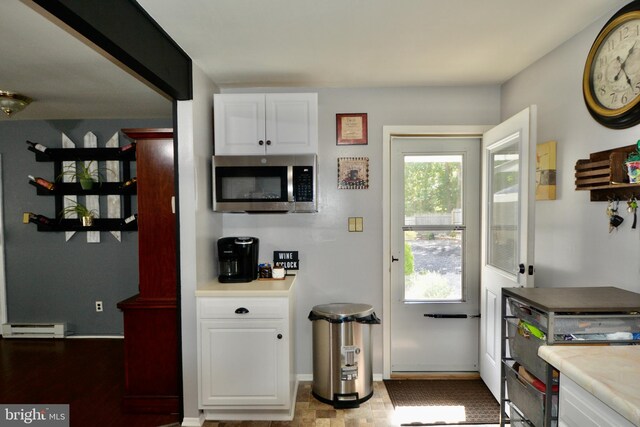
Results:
[84, 173]
[633, 164]
[85, 214]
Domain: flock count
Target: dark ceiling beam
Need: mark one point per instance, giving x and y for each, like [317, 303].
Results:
[124, 30]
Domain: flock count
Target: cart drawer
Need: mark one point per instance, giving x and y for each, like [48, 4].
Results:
[524, 349]
[517, 419]
[528, 399]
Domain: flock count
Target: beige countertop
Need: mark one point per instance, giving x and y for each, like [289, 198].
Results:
[610, 373]
[257, 288]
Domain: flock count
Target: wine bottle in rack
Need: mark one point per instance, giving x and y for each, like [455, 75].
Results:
[128, 147]
[37, 146]
[42, 182]
[130, 219]
[129, 182]
[28, 217]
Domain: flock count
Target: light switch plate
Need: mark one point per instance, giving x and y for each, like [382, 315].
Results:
[356, 224]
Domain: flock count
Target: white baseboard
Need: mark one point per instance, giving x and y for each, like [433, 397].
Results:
[193, 422]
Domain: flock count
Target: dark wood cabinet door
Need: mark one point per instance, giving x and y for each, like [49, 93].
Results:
[156, 218]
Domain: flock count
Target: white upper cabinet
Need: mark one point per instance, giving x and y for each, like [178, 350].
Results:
[272, 123]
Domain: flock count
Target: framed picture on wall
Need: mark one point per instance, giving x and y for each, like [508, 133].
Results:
[546, 171]
[353, 173]
[351, 129]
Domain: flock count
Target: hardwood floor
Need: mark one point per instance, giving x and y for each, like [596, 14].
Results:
[87, 374]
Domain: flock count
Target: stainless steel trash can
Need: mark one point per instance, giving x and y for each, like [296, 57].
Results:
[342, 374]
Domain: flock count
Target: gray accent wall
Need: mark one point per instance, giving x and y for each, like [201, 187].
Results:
[48, 279]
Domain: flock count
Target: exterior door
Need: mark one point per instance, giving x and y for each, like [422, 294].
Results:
[508, 193]
[434, 242]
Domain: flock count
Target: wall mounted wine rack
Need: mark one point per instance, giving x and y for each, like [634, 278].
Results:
[58, 156]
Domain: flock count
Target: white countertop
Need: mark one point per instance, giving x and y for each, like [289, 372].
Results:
[610, 373]
[257, 288]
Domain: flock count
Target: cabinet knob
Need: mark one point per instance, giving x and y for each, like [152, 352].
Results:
[261, 142]
[279, 336]
[241, 310]
[268, 142]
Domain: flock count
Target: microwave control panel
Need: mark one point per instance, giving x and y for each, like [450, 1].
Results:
[303, 183]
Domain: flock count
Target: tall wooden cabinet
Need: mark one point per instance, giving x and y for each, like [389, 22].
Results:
[151, 316]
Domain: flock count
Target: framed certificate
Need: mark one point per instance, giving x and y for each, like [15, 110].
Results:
[351, 129]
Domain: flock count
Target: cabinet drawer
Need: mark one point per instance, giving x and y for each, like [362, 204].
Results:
[242, 308]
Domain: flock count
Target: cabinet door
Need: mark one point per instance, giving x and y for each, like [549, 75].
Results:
[156, 219]
[243, 362]
[291, 123]
[579, 408]
[239, 124]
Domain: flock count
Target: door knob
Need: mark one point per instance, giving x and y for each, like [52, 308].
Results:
[279, 336]
[261, 142]
[268, 142]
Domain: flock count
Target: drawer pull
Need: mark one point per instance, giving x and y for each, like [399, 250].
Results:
[241, 310]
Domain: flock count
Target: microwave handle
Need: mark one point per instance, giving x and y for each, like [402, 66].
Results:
[290, 184]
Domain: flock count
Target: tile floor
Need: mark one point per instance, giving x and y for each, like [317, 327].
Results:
[376, 412]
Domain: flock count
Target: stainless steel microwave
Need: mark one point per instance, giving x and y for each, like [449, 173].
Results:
[261, 184]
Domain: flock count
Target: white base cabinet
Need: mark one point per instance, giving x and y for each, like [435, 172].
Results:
[579, 408]
[246, 360]
[260, 124]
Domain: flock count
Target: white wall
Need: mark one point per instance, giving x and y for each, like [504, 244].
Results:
[197, 225]
[573, 243]
[338, 266]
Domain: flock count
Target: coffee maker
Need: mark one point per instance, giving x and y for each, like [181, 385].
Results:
[238, 258]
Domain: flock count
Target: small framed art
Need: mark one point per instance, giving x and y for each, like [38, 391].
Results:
[546, 171]
[353, 173]
[351, 129]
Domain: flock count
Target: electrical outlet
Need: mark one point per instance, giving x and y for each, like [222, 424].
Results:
[99, 306]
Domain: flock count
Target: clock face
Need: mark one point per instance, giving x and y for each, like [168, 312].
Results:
[615, 68]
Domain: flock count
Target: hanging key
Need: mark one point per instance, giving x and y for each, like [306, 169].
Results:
[632, 207]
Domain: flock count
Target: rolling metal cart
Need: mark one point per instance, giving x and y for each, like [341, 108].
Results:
[532, 317]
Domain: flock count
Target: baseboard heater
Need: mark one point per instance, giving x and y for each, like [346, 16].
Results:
[33, 330]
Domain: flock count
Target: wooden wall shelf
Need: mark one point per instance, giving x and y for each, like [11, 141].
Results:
[605, 176]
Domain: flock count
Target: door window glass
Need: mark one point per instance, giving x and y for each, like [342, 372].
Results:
[433, 228]
[504, 206]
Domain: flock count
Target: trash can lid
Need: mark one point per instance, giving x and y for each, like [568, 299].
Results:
[339, 311]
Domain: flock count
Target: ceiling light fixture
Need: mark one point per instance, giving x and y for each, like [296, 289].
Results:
[11, 103]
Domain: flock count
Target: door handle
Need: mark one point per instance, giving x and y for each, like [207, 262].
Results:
[521, 268]
[394, 258]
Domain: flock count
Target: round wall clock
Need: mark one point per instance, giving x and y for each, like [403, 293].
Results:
[611, 82]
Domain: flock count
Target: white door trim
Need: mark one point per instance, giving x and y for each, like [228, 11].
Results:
[388, 132]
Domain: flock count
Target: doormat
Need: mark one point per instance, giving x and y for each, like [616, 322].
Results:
[443, 402]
